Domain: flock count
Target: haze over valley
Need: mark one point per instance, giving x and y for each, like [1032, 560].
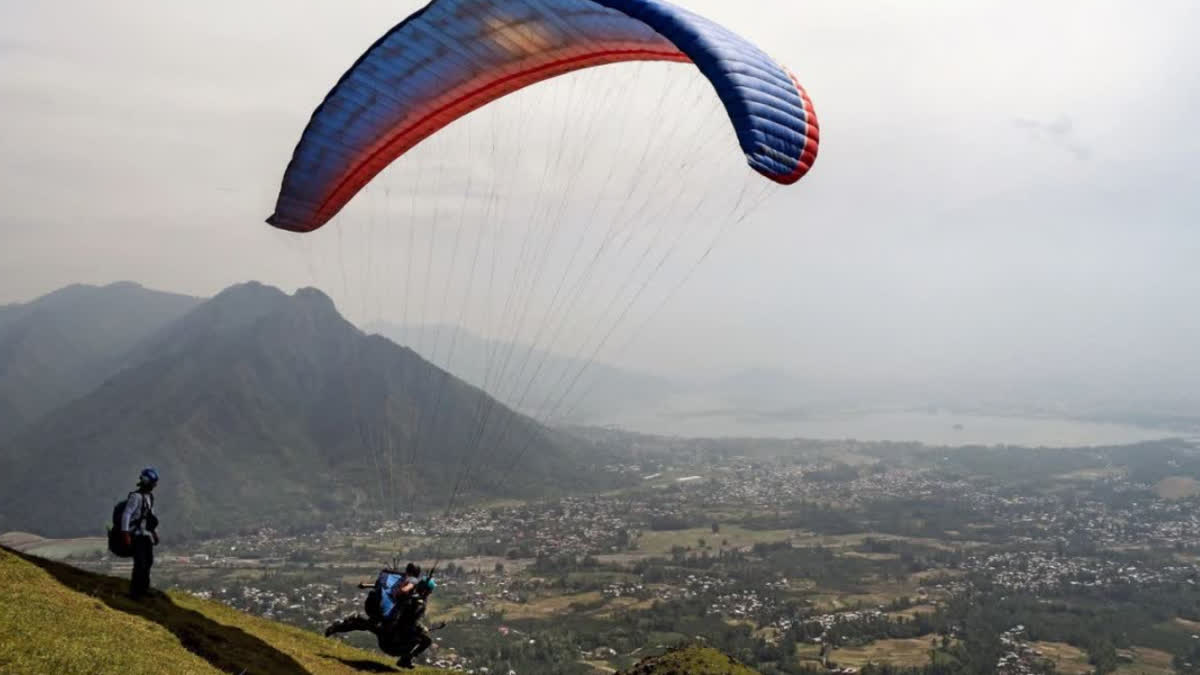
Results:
[600, 337]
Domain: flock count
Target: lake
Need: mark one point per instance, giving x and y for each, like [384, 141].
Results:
[942, 428]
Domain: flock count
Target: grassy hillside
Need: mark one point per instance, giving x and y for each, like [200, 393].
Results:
[691, 661]
[57, 619]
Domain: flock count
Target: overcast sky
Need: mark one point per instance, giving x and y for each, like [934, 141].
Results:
[1003, 186]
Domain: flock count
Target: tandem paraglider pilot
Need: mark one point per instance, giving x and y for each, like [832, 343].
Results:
[394, 612]
[134, 533]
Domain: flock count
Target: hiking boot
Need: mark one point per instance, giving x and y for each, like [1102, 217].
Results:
[406, 662]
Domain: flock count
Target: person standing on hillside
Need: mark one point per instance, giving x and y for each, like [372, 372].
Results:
[139, 528]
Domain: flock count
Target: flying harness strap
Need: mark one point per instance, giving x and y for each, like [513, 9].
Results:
[145, 515]
[382, 602]
[116, 542]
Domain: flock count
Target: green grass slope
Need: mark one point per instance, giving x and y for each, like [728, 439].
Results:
[55, 618]
[691, 660]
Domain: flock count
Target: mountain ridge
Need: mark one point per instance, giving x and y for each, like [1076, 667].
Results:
[262, 407]
[65, 343]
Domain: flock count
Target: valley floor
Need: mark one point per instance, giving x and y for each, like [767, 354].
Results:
[788, 557]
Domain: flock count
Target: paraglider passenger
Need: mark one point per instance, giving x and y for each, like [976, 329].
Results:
[400, 632]
[412, 572]
[139, 529]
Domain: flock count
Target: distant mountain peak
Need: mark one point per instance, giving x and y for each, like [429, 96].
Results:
[248, 290]
[315, 298]
[266, 299]
[119, 285]
[313, 293]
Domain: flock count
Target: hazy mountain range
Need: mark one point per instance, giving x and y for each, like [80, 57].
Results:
[256, 406]
[259, 406]
[64, 344]
[550, 386]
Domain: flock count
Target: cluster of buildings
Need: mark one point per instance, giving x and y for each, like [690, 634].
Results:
[1129, 518]
[746, 604]
[628, 589]
[1039, 571]
[312, 605]
[829, 620]
[1020, 658]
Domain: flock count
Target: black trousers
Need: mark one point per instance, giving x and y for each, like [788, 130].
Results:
[143, 560]
[394, 640]
[355, 622]
[420, 639]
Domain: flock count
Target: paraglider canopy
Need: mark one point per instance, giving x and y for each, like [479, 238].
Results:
[563, 248]
[455, 56]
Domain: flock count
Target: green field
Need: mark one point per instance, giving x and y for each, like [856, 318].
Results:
[1177, 487]
[913, 652]
[693, 661]
[1143, 661]
[55, 549]
[730, 536]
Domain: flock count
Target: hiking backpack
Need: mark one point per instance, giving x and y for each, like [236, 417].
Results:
[116, 543]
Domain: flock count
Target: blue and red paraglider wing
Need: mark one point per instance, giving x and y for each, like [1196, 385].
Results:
[455, 56]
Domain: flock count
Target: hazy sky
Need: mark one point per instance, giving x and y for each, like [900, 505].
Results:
[1003, 187]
